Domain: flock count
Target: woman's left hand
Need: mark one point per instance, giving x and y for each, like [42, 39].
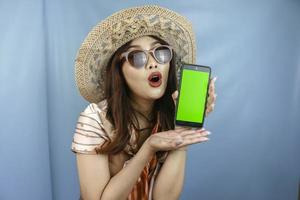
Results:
[209, 105]
[211, 100]
[212, 96]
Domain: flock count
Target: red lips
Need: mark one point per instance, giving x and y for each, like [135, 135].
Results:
[155, 79]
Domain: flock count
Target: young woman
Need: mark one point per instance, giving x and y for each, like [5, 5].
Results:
[126, 144]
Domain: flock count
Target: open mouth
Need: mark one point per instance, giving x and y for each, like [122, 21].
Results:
[155, 79]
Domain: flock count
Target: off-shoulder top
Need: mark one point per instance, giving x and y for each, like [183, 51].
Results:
[93, 130]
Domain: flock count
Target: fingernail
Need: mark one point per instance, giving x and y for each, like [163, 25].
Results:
[208, 133]
[216, 78]
[204, 139]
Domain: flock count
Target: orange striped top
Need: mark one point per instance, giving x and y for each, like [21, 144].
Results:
[93, 130]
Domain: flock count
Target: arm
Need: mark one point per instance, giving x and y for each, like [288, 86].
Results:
[165, 186]
[120, 186]
[93, 173]
[95, 182]
[174, 165]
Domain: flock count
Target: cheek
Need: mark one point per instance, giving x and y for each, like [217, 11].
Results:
[132, 76]
[128, 72]
[165, 72]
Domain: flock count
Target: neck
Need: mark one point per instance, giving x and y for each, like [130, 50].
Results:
[144, 106]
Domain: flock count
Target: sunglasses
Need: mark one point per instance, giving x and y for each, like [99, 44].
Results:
[139, 57]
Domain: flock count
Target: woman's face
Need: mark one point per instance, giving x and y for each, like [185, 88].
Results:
[138, 78]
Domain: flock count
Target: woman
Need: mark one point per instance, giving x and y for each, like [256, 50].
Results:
[125, 141]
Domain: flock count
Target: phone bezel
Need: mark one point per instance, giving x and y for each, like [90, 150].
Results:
[196, 68]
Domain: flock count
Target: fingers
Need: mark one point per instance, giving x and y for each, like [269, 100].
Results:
[212, 85]
[191, 141]
[210, 108]
[185, 134]
[194, 136]
[174, 96]
[211, 99]
[212, 96]
[170, 140]
[211, 93]
[188, 133]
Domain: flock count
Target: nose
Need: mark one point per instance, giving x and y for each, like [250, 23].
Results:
[151, 62]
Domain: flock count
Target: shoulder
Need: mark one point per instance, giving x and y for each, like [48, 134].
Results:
[91, 129]
[96, 107]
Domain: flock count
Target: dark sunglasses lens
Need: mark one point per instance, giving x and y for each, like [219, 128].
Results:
[163, 54]
[137, 58]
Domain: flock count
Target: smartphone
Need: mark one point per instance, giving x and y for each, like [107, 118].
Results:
[192, 97]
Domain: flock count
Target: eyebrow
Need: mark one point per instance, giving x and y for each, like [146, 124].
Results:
[152, 44]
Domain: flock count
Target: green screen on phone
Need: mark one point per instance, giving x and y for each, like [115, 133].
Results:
[192, 98]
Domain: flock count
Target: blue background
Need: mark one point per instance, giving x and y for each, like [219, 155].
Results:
[253, 48]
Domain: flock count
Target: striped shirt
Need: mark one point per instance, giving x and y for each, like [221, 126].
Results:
[93, 130]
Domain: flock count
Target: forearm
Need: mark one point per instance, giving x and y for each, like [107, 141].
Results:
[171, 176]
[120, 186]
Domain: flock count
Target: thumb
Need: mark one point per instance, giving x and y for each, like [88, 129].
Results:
[174, 96]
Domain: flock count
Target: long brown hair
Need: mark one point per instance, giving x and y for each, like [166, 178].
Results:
[119, 109]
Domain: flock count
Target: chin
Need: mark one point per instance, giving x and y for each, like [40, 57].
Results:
[156, 94]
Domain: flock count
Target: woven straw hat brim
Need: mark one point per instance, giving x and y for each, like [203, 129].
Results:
[116, 30]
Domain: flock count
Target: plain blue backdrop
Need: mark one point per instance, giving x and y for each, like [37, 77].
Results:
[252, 46]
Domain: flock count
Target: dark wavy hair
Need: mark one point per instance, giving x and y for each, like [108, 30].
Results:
[119, 109]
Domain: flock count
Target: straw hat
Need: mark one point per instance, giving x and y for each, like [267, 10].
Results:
[116, 30]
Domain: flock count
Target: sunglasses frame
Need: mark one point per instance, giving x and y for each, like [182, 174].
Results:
[147, 52]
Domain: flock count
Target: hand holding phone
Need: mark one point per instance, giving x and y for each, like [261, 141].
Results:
[193, 91]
